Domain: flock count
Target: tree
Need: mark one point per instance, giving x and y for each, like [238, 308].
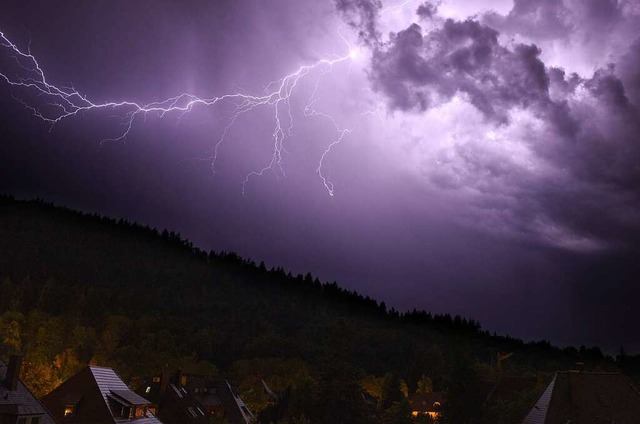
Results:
[398, 413]
[424, 385]
[464, 400]
[10, 333]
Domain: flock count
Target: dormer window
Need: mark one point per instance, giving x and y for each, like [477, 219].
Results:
[127, 404]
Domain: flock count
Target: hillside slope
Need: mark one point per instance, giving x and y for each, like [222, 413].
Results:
[78, 289]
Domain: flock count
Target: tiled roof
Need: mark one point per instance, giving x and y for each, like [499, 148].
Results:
[220, 393]
[130, 397]
[593, 398]
[20, 401]
[247, 415]
[538, 413]
[111, 384]
[175, 403]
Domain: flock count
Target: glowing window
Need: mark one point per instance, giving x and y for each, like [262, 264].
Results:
[69, 410]
[140, 412]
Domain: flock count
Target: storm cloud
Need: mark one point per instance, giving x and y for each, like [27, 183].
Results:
[542, 153]
[362, 15]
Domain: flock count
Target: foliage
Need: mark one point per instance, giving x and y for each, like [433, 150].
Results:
[81, 289]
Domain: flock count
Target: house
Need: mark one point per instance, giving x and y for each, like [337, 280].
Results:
[587, 398]
[429, 403]
[192, 398]
[97, 395]
[218, 398]
[171, 402]
[17, 404]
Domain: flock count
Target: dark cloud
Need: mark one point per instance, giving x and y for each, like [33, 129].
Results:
[417, 71]
[427, 10]
[588, 22]
[584, 129]
[362, 15]
[599, 15]
[542, 19]
[628, 70]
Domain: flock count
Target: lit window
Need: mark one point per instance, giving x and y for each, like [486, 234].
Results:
[140, 412]
[69, 410]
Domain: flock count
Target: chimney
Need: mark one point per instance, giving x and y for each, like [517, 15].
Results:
[13, 372]
[164, 381]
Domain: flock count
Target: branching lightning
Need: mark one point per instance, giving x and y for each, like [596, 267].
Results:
[397, 8]
[62, 103]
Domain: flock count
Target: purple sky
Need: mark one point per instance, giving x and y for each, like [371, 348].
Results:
[491, 168]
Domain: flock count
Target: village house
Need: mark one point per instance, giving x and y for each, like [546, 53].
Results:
[429, 403]
[191, 398]
[17, 404]
[97, 395]
[171, 402]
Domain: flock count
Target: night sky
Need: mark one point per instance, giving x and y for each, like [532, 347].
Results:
[478, 158]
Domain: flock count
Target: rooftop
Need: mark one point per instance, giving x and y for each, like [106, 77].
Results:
[20, 402]
[587, 398]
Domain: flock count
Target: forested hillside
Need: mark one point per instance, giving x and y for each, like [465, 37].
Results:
[78, 289]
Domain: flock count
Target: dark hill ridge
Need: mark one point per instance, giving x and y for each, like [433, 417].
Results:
[78, 288]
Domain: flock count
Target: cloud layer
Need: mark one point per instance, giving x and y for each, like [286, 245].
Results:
[530, 147]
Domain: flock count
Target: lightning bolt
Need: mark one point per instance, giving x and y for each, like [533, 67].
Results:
[397, 8]
[62, 103]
